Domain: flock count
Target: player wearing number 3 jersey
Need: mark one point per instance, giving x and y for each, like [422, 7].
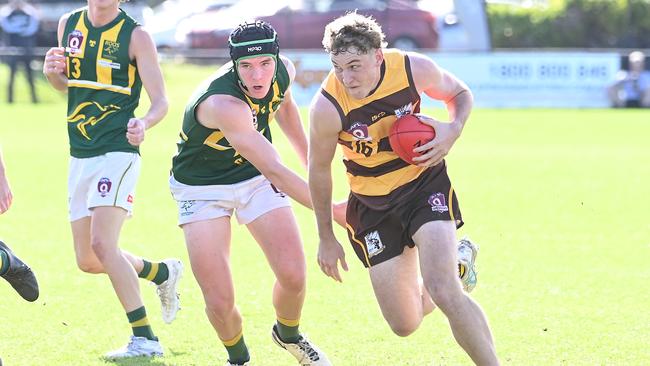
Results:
[102, 61]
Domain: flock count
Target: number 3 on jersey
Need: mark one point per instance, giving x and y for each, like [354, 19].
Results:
[75, 71]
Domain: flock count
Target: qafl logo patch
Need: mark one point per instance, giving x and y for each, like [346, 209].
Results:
[359, 131]
[75, 40]
[104, 187]
[438, 202]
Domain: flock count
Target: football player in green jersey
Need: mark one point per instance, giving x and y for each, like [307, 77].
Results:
[227, 165]
[103, 59]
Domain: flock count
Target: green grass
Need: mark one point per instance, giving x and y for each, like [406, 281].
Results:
[558, 200]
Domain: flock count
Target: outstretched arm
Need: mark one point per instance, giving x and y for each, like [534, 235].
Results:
[5, 191]
[325, 125]
[288, 118]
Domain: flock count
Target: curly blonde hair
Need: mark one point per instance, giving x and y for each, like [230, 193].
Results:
[353, 30]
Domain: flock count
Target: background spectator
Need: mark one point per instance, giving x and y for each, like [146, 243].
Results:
[20, 22]
[632, 87]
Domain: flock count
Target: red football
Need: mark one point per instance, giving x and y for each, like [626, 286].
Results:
[408, 133]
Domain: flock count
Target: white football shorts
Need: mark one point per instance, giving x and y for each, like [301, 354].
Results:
[249, 200]
[104, 180]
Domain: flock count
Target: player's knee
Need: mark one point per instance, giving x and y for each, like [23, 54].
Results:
[404, 327]
[102, 248]
[293, 279]
[220, 308]
[446, 297]
[89, 266]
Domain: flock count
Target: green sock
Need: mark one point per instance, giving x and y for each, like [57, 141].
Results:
[156, 272]
[288, 330]
[140, 323]
[4, 262]
[237, 350]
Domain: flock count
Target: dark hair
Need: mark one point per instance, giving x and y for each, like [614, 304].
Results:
[253, 39]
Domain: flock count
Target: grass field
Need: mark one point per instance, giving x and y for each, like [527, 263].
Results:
[558, 200]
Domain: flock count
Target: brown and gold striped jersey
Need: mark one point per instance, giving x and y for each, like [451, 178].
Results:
[374, 171]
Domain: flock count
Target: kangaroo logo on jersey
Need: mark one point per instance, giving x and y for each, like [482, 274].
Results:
[110, 49]
[373, 243]
[104, 186]
[359, 131]
[75, 40]
[438, 202]
[89, 114]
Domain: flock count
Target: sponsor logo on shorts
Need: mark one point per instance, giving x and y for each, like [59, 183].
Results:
[438, 202]
[186, 206]
[104, 186]
[359, 131]
[373, 243]
[129, 199]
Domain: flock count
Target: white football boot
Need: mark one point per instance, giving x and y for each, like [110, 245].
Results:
[304, 351]
[232, 364]
[168, 292]
[467, 252]
[137, 347]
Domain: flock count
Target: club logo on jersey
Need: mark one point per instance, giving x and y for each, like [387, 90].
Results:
[75, 40]
[405, 109]
[110, 49]
[359, 131]
[438, 202]
[104, 186]
[89, 114]
[186, 206]
[255, 117]
[92, 43]
[373, 243]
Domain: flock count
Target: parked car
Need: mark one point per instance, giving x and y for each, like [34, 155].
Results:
[163, 20]
[300, 23]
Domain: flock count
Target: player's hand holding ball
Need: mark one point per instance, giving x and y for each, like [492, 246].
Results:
[422, 140]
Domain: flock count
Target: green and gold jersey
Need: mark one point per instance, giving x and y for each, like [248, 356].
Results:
[103, 84]
[205, 156]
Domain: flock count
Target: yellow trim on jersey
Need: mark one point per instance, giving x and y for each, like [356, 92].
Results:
[232, 342]
[98, 86]
[213, 139]
[354, 239]
[81, 27]
[132, 71]
[105, 72]
[386, 183]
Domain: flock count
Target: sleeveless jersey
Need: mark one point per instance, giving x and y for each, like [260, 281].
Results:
[374, 171]
[103, 84]
[205, 156]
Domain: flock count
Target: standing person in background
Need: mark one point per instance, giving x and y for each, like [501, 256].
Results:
[20, 22]
[227, 165]
[401, 218]
[632, 87]
[103, 60]
[12, 269]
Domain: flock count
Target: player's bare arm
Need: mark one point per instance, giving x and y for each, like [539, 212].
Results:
[54, 65]
[143, 51]
[288, 118]
[440, 85]
[233, 117]
[6, 196]
[325, 125]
